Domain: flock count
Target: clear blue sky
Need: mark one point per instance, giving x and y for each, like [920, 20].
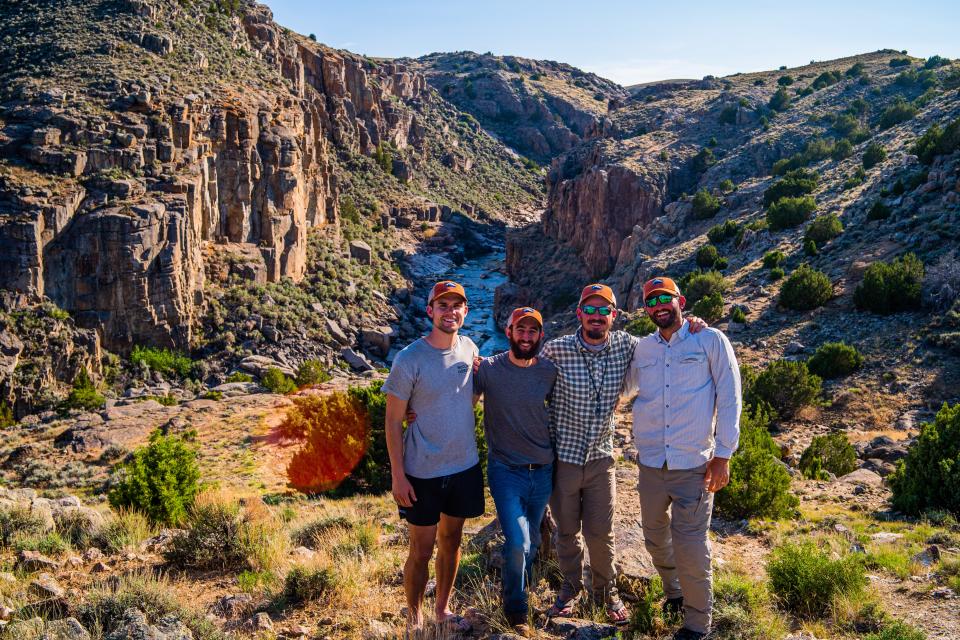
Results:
[633, 41]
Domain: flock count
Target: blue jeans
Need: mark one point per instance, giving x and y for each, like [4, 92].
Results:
[521, 496]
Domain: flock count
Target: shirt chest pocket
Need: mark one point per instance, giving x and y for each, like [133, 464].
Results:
[649, 378]
[692, 370]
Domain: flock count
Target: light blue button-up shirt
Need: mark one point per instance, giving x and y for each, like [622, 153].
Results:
[688, 398]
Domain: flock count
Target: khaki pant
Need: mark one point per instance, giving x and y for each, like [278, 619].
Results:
[678, 540]
[583, 498]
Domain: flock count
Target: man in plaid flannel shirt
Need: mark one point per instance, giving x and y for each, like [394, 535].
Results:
[591, 367]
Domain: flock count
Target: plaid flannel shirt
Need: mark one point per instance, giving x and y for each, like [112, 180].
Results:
[586, 393]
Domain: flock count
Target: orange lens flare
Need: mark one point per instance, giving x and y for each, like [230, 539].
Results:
[335, 432]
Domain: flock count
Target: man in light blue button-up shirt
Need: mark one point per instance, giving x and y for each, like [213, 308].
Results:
[686, 424]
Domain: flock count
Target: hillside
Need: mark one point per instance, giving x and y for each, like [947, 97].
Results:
[162, 161]
[209, 222]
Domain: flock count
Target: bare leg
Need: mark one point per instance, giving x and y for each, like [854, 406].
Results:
[449, 535]
[416, 571]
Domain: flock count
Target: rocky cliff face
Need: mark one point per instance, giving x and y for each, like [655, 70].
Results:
[152, 166]
[540, 108]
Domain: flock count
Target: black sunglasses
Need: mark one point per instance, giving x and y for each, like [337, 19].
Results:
[663, 298]
[589, 309]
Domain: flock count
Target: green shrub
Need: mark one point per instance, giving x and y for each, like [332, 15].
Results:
[786, 386]
[700, 285]
[873, 155]
[805, 289]
[737, 314]
[278, 382]
[900, 62]
[16, 522]
[6, 415]
[703, 160]
[710, 307]
[707, 255]
[105, 603]
[160, 480]
[805, 579]
[348, 210]
[705, 205]
[49, 544]
[831, 453]
[855, 71]
[726, 186]
[759, 483]
[383, 156]
[83, 396]
[798, 182]
[928, 479]
[897, 630]
[239, 376]
[303, 585]
[774, 258]
[843, 149]
[228, 533]
[855, 180]
[76, 527]
[776, 273]
[309, 534]
[780, 101]
[785, 80]
[789, 212]
[878, 211]
[936, 142]
[312, 372]
[165, 361]
[899, 111]
[125, 529]
[640, 325]
[810, 247]
[720, 232]
[834, 360]
[891, 287]
[742, 609]
[824, 228]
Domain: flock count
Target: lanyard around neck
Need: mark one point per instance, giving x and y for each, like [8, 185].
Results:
[597, 388]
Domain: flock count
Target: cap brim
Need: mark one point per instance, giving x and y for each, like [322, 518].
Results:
[660, 290]
[449, 293]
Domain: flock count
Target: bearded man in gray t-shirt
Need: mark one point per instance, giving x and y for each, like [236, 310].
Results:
[437, 481]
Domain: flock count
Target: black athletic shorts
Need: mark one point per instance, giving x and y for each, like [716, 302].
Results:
[459, 496]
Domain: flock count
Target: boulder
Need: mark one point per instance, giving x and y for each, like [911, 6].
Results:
[360, 251]
[66, 629]
[863, 477]
[378, 339]
[333, 328]
[355, 360]
[134, 626]
[260, 364]
[31, 561]
[46, 586]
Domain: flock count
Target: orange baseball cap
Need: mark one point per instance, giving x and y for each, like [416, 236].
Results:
[601, 290]
[446, 287]
[660, 285]
[525, 312]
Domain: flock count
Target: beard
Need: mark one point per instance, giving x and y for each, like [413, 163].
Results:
[665, 322]
[521, 353]
[445, 329]
[596, 333]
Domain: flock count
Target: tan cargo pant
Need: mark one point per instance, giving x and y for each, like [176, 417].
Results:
[583, 498]
[677, 540]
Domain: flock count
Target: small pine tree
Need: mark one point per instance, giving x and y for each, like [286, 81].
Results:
[84, 395]
[786, 386]
[790, 211]
[707, 255]
[830, 453]
[929, 477]
[824, 228]
[705, 204]
[806, 289]
[834, 360]
[873, 155]
[759, 483]
[161, 480]
[891, 287]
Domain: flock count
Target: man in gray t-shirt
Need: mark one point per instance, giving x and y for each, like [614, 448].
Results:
[436, 477]
[515, 387]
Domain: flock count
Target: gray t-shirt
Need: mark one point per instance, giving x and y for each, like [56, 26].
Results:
[438, 386]
[514, 411]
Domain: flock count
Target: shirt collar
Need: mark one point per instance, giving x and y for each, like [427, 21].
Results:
[678, 336]
[581, 345]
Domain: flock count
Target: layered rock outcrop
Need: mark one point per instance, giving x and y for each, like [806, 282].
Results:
[156, 170]
[594, 203]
